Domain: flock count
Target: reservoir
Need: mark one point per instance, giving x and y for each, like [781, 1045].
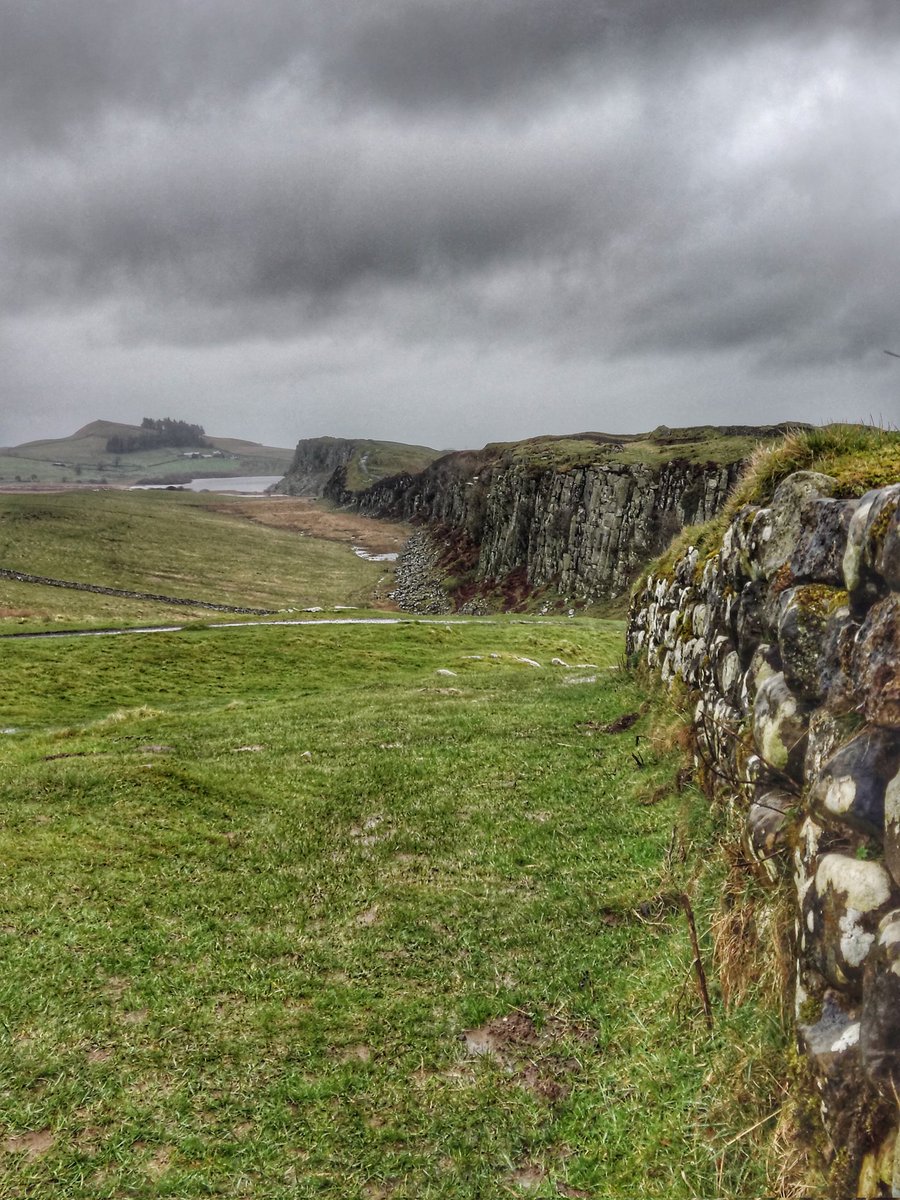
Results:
[246, 485]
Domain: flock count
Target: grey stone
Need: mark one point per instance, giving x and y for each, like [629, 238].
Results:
[875, 514]
[888, 559]
[850, 790]
[826, 733]
[804, 613]
[892, 826]
[819, 554]
[769, 821]
[877, 661]
[880, 1024]
[780, 724]
[835, 1032]
[748, 623]
[778, 541]
[838, 680]
[840, 914]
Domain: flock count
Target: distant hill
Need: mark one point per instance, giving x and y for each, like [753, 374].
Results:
[83, 457]
[360, 462]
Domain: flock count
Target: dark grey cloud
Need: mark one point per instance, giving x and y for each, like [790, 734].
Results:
[387, 207]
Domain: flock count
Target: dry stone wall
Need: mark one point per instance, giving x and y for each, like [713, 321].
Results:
[789, 637]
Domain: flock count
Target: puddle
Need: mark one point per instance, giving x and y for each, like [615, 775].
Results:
[362, 552]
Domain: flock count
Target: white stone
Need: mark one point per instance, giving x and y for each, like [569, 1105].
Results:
[848, 1038]
[856, 942]
[865, 884]
[840, 794]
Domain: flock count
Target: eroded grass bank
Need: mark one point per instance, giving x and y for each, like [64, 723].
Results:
[293, 913]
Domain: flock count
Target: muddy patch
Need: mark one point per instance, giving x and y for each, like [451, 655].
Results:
[533, 1058]
[501, 1035]
[32, 1144]
[528, 1177]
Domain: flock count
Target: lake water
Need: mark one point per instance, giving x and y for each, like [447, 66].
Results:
[247, 485]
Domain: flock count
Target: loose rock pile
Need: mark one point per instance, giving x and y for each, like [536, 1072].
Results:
[418, 586]
[789, 636]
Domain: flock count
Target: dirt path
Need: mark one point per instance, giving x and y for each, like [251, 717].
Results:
[120, 632]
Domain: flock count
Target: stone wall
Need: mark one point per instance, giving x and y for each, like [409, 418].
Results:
[789, 637]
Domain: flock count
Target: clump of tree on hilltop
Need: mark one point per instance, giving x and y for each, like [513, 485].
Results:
[157, 432]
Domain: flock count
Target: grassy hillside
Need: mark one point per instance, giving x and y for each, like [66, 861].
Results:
[175, 544]
[85, 459]
[698, 444]
[296, 913]
[372, 461]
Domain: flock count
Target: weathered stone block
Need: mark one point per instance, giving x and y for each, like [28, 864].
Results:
[780, 724]
[826, 733]
[777, 541]
[748, 620]
[804, 613]
[841, 912]
[769, 821]
[880, 1025]
[864, 557]
[877, 661]
[892, 827]
[851, 787]
[819, 554]
[764, 663]
[838, 681]
[887, 562]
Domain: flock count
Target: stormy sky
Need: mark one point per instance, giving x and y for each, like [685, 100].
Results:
[448, 221]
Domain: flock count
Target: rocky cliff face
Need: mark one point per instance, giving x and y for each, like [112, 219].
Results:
[315, 461]
[789, 636]
[585, 530]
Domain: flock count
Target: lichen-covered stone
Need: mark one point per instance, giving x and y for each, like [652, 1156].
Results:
[764, 663]
[850, 790]
[840, 914]
[880, 1031]
[777, 542]
[780, 724]
[827, 732]
[866, 537]
[769, 821]
[892, 826]
[877, 661]
[802, 621]
[834, 1032]
[748, 623]
[888, 561]
[838, 680]
[819, 553]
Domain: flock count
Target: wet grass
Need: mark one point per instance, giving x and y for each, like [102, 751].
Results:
[260, 884]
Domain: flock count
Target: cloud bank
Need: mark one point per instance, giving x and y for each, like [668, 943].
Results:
[447, 221]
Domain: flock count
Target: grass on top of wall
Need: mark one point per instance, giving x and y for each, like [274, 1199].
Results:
[858, 457]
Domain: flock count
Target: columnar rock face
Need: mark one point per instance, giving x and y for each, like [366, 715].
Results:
[315, 461]
[789, 636]
[585, 530]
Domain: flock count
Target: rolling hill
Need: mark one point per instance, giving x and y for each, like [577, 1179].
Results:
[83, 457]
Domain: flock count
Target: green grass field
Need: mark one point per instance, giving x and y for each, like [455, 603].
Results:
[295, 913]
[173, 544]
